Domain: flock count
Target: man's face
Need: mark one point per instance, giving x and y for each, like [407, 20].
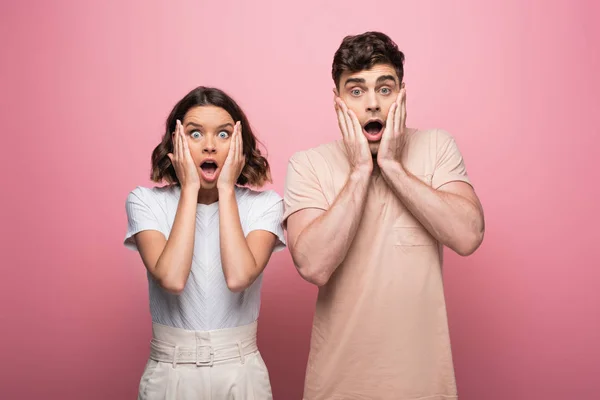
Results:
[370, 94]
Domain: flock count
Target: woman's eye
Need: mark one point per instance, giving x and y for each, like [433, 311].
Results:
[195, 135]
[223, 134]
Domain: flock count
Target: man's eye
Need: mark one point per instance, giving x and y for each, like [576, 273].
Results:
[223, 134]
[195, 135]
[385, 90]
[356, 92]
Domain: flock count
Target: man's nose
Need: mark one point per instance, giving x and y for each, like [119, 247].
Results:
[373, 103]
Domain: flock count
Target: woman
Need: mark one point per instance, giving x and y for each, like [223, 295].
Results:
[205, 239]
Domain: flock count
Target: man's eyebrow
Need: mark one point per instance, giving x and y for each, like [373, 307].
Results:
[381, 79]
[354, 80]
[384, 78]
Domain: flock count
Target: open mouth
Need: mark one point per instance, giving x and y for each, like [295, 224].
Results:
[373, 129]
[209, 170]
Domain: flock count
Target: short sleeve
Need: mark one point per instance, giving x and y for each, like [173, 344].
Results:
[140, 215]
[302, 188]
[269, 218]
[450, 166]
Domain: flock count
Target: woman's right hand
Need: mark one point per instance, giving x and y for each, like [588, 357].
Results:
[183, 163]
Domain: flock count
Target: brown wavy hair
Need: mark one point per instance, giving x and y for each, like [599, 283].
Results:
[360, 52]
[255, 173]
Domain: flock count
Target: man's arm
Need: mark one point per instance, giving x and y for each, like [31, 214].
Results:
[318, 239]
[452, 214]
[450, 210]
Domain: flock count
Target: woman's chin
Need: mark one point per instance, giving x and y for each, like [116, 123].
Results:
[207, 185]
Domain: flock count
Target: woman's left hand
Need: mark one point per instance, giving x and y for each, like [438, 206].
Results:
[235, 161]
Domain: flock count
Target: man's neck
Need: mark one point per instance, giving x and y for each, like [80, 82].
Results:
[376, 169]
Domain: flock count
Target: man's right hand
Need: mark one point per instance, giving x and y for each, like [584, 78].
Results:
[357, 146]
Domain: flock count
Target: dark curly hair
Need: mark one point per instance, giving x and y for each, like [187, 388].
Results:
[360, 52]
[255, 173]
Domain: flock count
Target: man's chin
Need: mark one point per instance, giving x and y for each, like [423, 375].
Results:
[374, 146]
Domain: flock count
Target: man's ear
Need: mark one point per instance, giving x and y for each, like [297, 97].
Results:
[335, 92]
[402, 85]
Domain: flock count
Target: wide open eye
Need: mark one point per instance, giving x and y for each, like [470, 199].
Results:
[223, 134]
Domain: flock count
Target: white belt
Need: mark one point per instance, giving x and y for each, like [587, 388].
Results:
[201, 355]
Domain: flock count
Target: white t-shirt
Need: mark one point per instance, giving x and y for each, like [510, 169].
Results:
[205, 303]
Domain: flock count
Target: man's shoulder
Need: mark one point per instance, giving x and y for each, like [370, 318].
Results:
[331, 152]
[430, 137]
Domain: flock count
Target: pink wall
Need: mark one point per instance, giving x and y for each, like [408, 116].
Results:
[86, 86]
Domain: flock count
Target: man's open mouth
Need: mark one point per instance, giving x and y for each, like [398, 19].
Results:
[373, 128]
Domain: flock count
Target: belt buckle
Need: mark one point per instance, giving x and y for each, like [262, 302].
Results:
[200, 352]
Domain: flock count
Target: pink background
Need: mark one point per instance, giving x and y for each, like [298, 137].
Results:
[86, 86]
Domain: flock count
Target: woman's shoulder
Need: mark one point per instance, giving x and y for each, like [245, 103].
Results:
[154, 194]
[257, 198]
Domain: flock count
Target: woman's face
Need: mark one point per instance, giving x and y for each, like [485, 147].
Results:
[208, 131]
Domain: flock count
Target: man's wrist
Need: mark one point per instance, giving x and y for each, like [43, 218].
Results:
[391, 166]
[360, 174]
[393, 170]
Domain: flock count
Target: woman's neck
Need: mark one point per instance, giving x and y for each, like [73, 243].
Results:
[208, 196]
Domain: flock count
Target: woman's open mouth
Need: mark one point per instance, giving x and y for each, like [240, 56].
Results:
[209, 169]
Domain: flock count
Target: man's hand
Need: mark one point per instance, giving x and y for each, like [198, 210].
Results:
[355, 141]
[394, 136]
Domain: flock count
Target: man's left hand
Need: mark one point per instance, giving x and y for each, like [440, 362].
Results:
[394, 136]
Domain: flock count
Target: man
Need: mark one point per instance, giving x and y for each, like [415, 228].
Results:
[367, 218]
